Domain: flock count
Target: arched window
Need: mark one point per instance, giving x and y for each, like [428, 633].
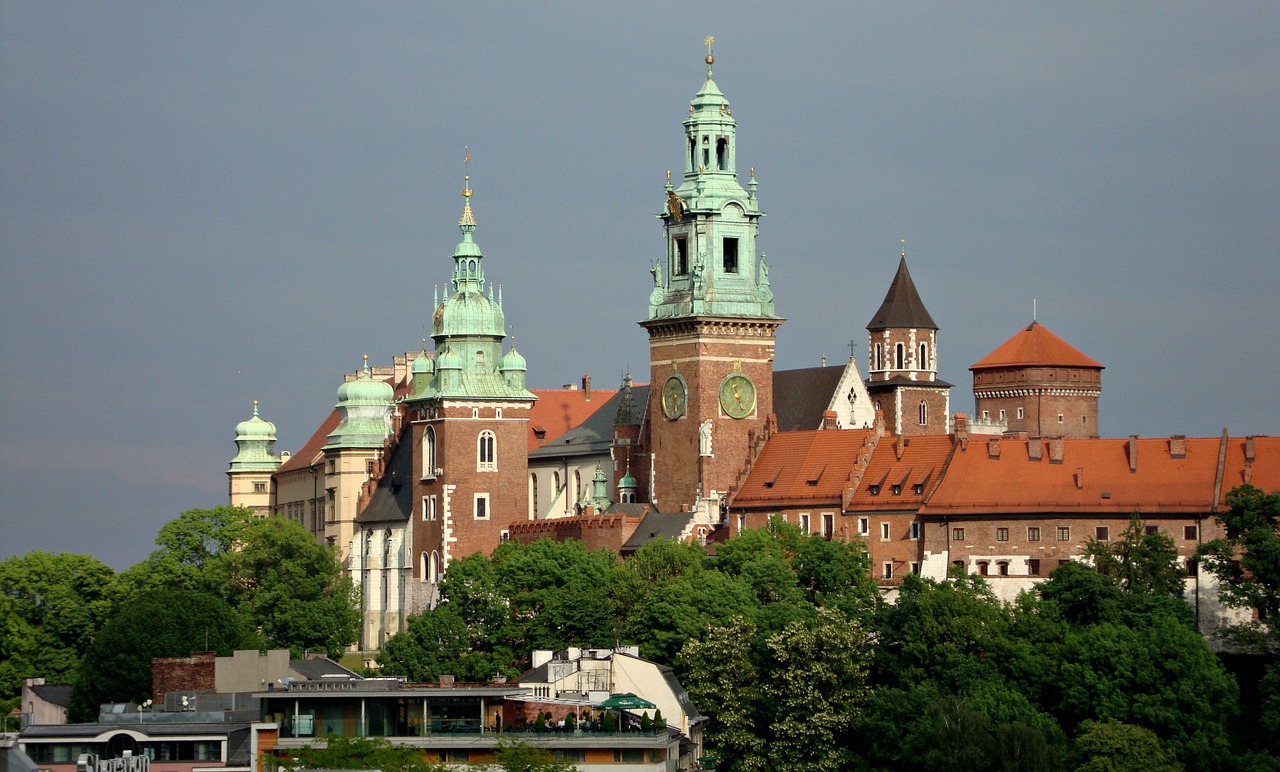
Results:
[924, 356]
[486, 457]
[924, 413]
[557, 482]
[899, 355]
[879, 356]
[479, 359]
[429, 452]
[577, 485]
[533, 492]
[425, 569]
[434, 573]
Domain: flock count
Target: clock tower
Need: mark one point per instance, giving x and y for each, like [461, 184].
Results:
[711, 320]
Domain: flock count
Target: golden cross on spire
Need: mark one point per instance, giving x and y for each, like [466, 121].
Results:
[710, 41]
[711, 53]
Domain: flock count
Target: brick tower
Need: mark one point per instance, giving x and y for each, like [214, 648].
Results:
[711, 320]
[903, 370]
[469, 409]
[1039, 384]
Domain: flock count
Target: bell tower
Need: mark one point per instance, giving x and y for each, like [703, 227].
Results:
[711, 319]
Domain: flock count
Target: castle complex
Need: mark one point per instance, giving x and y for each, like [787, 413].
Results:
[447, 453]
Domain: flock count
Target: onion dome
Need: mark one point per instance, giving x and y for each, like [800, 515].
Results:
[364, 410]
[423, 363]
[512, 360]
[255, 441]
[449, 360]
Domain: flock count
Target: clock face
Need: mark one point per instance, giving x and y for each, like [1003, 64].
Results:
[737, 396]
[675, 397]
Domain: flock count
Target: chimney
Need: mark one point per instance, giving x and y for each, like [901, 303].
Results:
[1178, 446]
[1035, 449]
[829, 420]
[1056, 447]
[1249, 449]
[586, 387]
[879, 422]
[898, 447]
[1133, 453]
[773, 424]
[962, 426]
[1079, 478]
[993, 447]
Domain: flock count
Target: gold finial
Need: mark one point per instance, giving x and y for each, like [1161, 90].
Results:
[753, 172]
[711, 53]
[668, 175]
[466, 178]
[904, 249]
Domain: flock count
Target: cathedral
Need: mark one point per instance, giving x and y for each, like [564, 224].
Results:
[448, 453]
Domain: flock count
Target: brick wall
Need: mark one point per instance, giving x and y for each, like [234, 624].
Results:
[182, 674]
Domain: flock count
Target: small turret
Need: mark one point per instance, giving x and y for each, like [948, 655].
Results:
[364, 410]
[255, 444]
[513, 368]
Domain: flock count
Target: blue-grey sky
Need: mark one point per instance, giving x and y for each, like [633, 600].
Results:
[203, 204]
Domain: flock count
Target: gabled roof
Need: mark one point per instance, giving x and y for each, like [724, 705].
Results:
[798, 468]
[922, 463]
[1093, 477]
[1035, 345]
[392, 500]
[902, 306]
[559, 410]
[594, 433]
[310, 450]
[655, 526]
[800, 397]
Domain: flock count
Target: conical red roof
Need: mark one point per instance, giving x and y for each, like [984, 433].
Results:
[1035, 345]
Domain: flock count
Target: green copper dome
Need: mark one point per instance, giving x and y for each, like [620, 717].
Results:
[255, 443]
[364, 410]
[422, 364]
[512, 360]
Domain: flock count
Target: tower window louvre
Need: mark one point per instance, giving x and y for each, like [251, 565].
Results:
[730, 255]
[680, 257]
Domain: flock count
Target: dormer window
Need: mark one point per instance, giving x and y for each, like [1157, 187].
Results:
[874, 489]
[919, 488]
[897, 490]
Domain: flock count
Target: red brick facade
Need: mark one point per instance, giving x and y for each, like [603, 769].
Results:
[596, 532]
[182, 674]
[704, 352]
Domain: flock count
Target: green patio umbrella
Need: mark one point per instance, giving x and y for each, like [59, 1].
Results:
[626, 701]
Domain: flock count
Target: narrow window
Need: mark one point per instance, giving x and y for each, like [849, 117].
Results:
[884, 531]
[915, 568]
[1033, 533]
[429, 452]
[1064, 533]
[1002, 534]
[577, 485]
[435, 566]
[1033, 566]
[864, 526]
[804, 522]
[706, 152]
[482, 506]
[423, 571]
[915, 530]
[899, 355]
[957, 534]
[1102, 533]
[693, 158]
[924, 413]
[879, 359]
[730, 255]
[1004, 568]
[986, 415]
[982, 568]
[680, 258]
[722, 153]
[424, 511]
[1020, 414]
[1059, 417]
[1003, 416]
[924, 356]
[533, 486]
[887, 571]
[828, 525]
[486, 459]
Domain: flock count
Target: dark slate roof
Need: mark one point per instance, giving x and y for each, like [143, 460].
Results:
[628, 510]
[392, 501]
[593, 435]
[147, 729]
[315, 668]
[902, 380]
[801, 396]
[54, 694]
[902, 306]
[657, 525]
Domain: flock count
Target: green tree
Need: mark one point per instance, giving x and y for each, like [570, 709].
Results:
[1141, 563]
[192, 548]
[51, 606]
[724, 681]
[161, 623]
[1112, 746]
[434, 643]
[362, 753]
[292, 588]
[524, 757]
[1247, 562]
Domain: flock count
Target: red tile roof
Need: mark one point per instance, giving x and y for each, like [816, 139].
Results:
[922, 463]
[1035, 345]
[1263, 471]
[559, 410]
[797, 468]
[310, 450]
[1094, 476]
